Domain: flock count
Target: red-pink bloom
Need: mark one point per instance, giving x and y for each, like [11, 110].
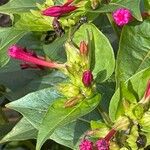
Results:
[147, 92]
[87, 78]
[86, 145]
[20, 53]
[58, 11]
[122, 16]
[103, 143]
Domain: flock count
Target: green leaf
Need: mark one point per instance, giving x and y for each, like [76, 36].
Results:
[69, 135]
[137, 85]
[33, 22]
[134, 50]
[103, 68]
[8, 36]
[60, 116]
[55, 50]
[23, 130]
[147, 5]
[17, 6]
[34, 105]
[133, 5]
[5, 128]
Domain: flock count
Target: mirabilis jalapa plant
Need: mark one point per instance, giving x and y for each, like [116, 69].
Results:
[88, 70]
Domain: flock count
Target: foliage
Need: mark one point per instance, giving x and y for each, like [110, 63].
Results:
[88, 78]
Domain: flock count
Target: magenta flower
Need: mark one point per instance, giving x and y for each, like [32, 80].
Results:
[122, 16]
[58, 11]
[86, 145]
[20, 53]
[103, 143]
[147, 92]
[87, 78]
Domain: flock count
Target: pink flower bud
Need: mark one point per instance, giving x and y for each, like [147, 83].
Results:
[58, 11]
[102, 144]
[20, 53]
[83, 48]
[86, 145]
[87, 78]
[122, 16]
[147, 92]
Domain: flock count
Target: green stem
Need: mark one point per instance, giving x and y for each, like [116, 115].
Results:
[115, 28]
[105, 117]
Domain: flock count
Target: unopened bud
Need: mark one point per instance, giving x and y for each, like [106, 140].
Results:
[95, 3]
[147, 92]
[87, 78]
[83, 48]
[122, 123]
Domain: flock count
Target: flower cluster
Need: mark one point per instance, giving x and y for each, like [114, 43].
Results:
[101, 144]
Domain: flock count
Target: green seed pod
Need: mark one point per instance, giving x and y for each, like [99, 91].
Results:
[144, 122]
[95, 3]
[68, 90]
[122, 123]
[114, 146]
[132, 138]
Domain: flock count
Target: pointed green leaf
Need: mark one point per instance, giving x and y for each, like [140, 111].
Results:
[59, 116]
[17, 6]
[8, 36]
[23, 130]
[102, 68]
[134, 50]
[34, 105]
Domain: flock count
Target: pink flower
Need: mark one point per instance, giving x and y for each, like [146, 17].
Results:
[102, 144]
[122, 16]
[20, 53]
[147, 92]
[86, 145]
[58, 11]
[87, 78]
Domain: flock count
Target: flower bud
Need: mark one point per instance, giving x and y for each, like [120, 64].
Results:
[94, 3]
[58, 11]
[87, 78]
[83, 48]
[86, 145]
[147, 92]
[122, 123]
